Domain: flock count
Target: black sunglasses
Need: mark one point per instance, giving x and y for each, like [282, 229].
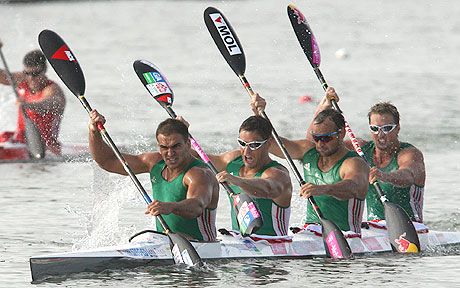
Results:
[326, 137]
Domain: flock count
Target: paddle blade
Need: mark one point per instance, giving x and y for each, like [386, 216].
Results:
[33, 139]
[248, 215]
[63, 61]
[401, 231]
[335, 244]
[155, 82]
[305, 35]
[226, 40]
[183, 251]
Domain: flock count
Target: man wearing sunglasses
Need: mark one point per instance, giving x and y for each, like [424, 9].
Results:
[42, 99]
[398, 166]
[184, 189]
[335, 176]
[250, 170]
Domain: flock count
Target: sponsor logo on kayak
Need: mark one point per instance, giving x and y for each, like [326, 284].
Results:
[250, 245]
[63, 53]
[225, 34]
[140, 252]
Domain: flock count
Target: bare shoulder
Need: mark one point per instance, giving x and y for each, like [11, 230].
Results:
[278, 172]
[229, 156]
[410, 153]
[200, 173]
[150, 159]
[355, 163]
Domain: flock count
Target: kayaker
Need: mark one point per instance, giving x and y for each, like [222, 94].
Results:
[184, 190]
[398, 166]
[335, 176]
[43, 100]
[250, 170]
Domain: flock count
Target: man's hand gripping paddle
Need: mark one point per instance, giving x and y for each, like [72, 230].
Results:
[230, 47]
[401, 230]
[66, 66]
[248, 215]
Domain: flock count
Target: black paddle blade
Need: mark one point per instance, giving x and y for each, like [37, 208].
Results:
[248, 215]
[304, 35]
[401, 231]
[33, 139]
[226, 40]
[63, 61]
[155, 82]
[183, 251]
[335, 244]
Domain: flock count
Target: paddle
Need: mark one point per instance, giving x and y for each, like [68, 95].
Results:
[66, 66]
[400, 228]
[248, 215]
[230, 47]
[34, 140]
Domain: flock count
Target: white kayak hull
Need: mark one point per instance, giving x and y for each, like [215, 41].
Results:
[156, 251]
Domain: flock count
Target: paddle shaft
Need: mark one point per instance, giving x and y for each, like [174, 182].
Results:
[291, 164]
[13, 84]
[29, 124]
[105, 135]
[350, 133]
[200, 151]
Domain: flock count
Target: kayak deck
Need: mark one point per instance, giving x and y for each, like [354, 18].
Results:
[156, 251]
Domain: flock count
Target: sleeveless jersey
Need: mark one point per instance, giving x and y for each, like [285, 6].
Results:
[48, 123]
[409, 198]
[202, 228]
[275, 217]
[346, 214]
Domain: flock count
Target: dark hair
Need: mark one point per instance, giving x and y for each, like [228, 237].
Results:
[171, 126]
[334, 115]
[257, 124]
[384, 108]
[35, 58]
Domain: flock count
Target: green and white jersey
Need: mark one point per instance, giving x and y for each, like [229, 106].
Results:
[275, 217]
[202, 228]
[346, 214]
[409, 198]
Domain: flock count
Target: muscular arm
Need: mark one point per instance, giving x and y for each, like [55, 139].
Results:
[274, 183]
[354, 173]
[202, 192]
[411, 169]
[106, 159]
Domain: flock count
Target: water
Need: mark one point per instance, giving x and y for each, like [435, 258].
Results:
[406, 52]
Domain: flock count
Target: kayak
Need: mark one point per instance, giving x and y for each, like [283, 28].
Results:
[153, 249]
[18, 153]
